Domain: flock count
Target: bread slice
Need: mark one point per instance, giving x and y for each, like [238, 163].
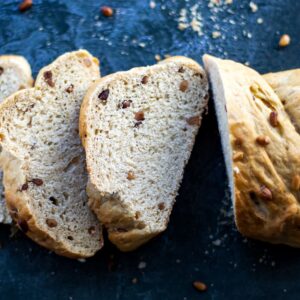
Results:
[138, 129]
[286, 85]
[262, 153]
[43, 160]
[15, 74]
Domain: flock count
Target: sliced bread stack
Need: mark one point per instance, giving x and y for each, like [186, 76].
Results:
[15, 74]
[138, 129]
[262, 149]
[43, 160]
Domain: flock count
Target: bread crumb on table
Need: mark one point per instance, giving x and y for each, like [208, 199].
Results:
[190, 18]
[142, 265]
[152, 4]
[216, 34]
[157, 57]
[253, 7]
[134, 280]
[260, 20]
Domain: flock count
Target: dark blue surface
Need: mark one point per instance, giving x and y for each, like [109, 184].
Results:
[201, 242]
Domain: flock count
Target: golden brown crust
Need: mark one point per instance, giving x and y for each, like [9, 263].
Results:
[124, 229]
[286, 85]
[266, 202]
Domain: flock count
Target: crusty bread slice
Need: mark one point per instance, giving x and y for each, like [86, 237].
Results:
[15, 74]
[43, 160]
[138, 130]
[286, 85]
[262, 153]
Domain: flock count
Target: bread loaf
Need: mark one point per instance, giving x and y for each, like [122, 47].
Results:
[262, 152]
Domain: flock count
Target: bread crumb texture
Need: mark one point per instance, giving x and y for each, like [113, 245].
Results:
[43, 161]
[138, 139]
[15, 74]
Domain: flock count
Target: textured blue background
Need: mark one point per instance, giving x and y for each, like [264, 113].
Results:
[189, 250]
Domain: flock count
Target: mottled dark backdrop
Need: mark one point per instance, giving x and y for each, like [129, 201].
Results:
[201, 242]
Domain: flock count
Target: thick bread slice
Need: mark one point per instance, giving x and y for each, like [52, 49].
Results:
[262, 152]
[15, 74]
[286, 85]
[43, 160]
[138, 130]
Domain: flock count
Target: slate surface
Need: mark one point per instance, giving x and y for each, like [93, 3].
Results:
[201, 241]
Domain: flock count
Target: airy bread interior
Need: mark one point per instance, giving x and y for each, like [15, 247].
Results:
[43, 160]
[138, 129]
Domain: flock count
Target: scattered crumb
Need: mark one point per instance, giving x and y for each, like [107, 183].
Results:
[285, 40]
[183, 26]
[214, 3]
[178, 261]
[142, 45]
[190, 18]
[260, 20]
[152, 4]
[253, 7]
[157, 57]
[142, 265]
[216, 34]
[217, 242]
[82, 260]
[134, 280]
